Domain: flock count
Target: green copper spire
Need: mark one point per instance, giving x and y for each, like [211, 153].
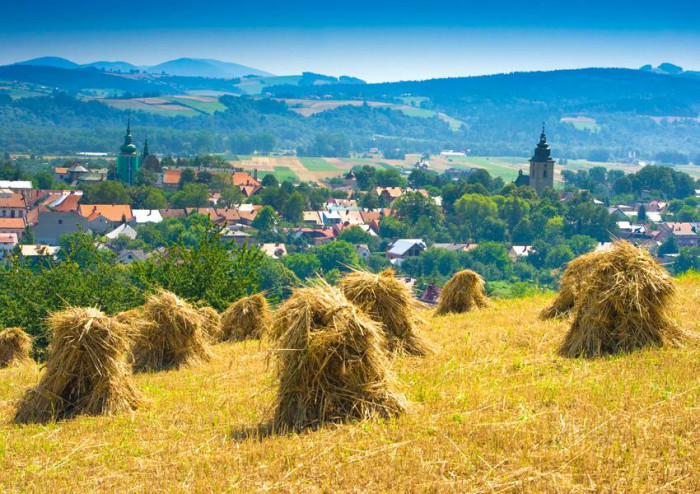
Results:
[145, 148]
[128, 147]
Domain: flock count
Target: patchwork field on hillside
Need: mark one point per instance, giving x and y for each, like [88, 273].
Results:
[496, 409]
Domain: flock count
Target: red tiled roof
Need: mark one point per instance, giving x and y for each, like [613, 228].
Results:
[244, 178]
[12, 224]
[172, 177]
[15, 200]
[113, 212]
[173, 213]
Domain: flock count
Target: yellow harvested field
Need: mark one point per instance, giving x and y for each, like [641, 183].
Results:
[495, 410]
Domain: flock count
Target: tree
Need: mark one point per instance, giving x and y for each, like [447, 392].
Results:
[109, 192]
[293, 209]
[265, 220]
[471, 210]
[642, 213]
[269, 180]
[339, 255]
[232, 196]
[688, 259]
[44, 180]
[303, 265]
[191, 196]
[410, 207]
[187, 176]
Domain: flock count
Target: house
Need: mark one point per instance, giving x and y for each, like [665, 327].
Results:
[350, 217]
[403, 248]
[520, 251]
[455, 247]
[130, 255]
[313, 218]
[390, 194]
[116, 213]
[52, 224]
[171, 179]
[8, 241]
[13, 225]
[686, 234]
[172, 213]
[316, 236]
[246, 183]
[274, 250]
[60, 174]
[239, 237]
[362, 250]
[143, 216]
[16, 185]
[331, 218]
[12, 205]
[62, 200]
[38, 251]
[122, 230]
[431, 295]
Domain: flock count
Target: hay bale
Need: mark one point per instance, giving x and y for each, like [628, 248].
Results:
[624, 304]
[246, 318]
[330, 361]
[173, 336]
[462, 293]
[212, 323]
[571, 283]
[15, 346]
[390, 302]
[86, 371]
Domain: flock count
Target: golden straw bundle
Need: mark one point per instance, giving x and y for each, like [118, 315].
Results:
[15, 346]
[173, 336]
[624, 304]
[575, 275]
[246, 318]
[462, 293]
[390, 302]
[212, 323]
[331, 362]
[86, 371]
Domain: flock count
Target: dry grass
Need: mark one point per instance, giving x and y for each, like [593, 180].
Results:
[496, 410]
[15, 347]
[173, 335]
[572, 282]
[390, 302]
[246, 318]
[462, 293]
[86, 371]
[624, 303]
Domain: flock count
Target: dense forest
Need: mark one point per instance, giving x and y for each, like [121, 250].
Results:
[500, 116]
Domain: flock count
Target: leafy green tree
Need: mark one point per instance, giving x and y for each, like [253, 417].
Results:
[269, 180]
[191, 196]
[303, 265]
[109, 192]
[688, 259]
[339, 255]
[266, 220]
[43, 180]
[410, 207]
[293, 209]
[187, 176]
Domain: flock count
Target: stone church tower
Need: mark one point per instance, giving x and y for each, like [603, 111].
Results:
[542, 166]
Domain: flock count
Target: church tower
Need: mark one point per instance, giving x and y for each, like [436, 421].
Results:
[542, 166]
[128, 160]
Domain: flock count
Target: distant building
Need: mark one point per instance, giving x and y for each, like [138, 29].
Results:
[128, 160]
[541, 168]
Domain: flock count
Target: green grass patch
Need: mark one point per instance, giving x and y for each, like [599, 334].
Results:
[283, 173]
[318, 165]
[201, 106]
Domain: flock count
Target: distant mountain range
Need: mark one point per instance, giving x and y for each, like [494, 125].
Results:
[185, 67]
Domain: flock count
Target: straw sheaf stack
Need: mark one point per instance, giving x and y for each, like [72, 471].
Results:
[462, 293]
[172, 336]
[624, 304]
[15, 346]
[246, 318]
[86, 371]
[389, 302]
[331, 362]
[575, 275]
[212, 323]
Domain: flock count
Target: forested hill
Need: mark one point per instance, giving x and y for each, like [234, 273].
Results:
[595, 89]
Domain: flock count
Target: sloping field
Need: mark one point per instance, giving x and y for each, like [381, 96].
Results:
[178, 105]
[495, 410]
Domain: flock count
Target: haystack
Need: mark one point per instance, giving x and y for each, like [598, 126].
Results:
[624, 304]
[390, 302]
[86, 371]
[331, 362]
[173, 336]
[246, 318]
[571, 283]
[212, 323]
[462, 293]
[15, 346]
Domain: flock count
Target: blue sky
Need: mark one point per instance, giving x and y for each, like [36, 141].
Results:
[377, 40]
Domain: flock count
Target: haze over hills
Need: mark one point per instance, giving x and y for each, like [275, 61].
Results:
[188, 67]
